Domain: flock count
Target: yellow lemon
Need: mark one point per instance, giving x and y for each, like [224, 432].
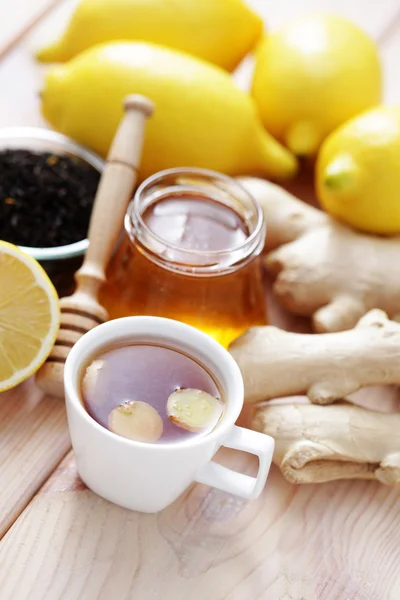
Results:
[29, 316]
[201, 119]
[358, 171]
[220, 31]
[311, 76]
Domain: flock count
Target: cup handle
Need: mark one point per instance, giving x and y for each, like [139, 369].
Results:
[225, 479]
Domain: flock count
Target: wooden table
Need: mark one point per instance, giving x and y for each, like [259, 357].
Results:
[337, 541]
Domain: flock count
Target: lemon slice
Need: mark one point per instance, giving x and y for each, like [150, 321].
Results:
[29, 316]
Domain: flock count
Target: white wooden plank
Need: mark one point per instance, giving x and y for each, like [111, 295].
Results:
[16, 16]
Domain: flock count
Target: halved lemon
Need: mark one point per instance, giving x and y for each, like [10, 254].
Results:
[29, 316]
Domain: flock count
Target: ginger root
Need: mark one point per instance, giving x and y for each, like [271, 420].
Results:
[324, 269]
[314, 444]
[326, 367]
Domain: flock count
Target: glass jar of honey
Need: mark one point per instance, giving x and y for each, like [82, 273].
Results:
[191, 252]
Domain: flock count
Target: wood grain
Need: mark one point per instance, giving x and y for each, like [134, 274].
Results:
[33, 429]
[33, 439]
[328, 542]
[21, 75]
[18, 18]
[338, 541]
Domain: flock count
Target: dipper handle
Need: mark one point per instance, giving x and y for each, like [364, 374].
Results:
[114, 193]
[82, 311]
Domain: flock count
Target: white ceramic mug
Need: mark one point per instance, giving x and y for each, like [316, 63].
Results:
[148, 477]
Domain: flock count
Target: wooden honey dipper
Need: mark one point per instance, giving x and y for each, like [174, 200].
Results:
[82, 311]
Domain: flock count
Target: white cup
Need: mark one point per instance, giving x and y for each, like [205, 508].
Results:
[148, 477]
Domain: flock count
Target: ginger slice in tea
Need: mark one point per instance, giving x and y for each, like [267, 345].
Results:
[193, 409]
[137, 421]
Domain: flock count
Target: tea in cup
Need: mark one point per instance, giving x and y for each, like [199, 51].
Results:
[151, 393]
[149, 402]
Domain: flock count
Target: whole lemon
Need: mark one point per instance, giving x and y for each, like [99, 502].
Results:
[311, 76]
[358, 171]
[220, 31]
[201, 118]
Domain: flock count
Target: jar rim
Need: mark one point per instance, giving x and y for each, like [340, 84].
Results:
[247, 246]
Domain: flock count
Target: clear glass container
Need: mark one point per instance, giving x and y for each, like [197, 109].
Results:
[60, 262]
[155, 271]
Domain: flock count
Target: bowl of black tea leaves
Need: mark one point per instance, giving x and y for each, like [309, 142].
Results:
[47, 187]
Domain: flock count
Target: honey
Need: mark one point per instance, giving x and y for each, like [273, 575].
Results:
[191, 252]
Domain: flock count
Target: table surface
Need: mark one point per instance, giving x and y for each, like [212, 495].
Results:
[336, 541]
